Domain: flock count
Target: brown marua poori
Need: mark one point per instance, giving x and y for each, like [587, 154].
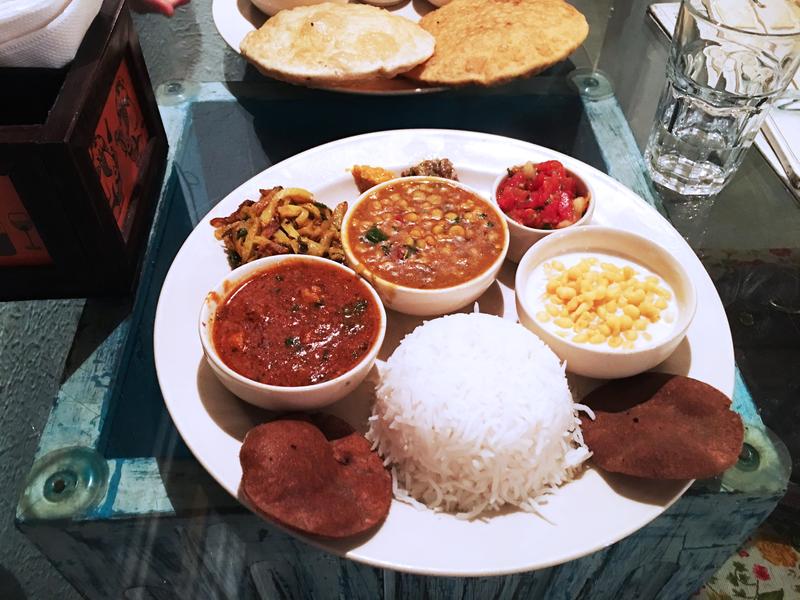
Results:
[315, 475]
[662, 426]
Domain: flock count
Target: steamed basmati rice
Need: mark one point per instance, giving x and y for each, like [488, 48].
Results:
[474, 412]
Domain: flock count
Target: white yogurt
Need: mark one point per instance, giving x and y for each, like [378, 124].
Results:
[654, 332]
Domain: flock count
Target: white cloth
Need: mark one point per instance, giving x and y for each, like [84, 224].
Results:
[43, 33]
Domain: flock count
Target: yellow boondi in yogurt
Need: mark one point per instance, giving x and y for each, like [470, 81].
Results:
[596, 298]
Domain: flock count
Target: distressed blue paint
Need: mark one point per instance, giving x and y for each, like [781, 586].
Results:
[104, 510]
[743, 402]
[619, 148]
[82, 401]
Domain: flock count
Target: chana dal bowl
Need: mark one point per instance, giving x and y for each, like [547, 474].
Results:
[608, 302]
[428, 245]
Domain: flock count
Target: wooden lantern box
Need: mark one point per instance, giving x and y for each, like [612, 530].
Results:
[82, 157]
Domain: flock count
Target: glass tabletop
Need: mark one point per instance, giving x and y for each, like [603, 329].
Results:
[226, 123]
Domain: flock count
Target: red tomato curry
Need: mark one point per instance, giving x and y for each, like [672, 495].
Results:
[295, 324]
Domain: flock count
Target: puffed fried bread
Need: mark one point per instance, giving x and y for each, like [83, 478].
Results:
[489, 42]
[330, 44]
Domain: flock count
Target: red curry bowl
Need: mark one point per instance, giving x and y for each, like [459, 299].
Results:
[277, 396]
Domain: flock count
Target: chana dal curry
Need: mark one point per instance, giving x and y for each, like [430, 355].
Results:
[425, 233]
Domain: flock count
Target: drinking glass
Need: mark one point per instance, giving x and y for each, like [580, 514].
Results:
[728, 61]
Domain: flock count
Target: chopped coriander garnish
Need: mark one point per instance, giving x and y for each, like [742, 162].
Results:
[354, 308]
[410, 250]
[387, 248]
[490, 224]
[482, 215]
[295, 307]
[292, 342]
[242, 233]
[374, 235]
[455, 219]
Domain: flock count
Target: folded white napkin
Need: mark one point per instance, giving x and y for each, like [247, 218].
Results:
[43, 33]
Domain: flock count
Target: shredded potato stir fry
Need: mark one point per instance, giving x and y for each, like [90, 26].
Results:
[282, 221]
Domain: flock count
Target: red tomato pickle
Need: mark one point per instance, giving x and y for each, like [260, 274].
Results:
[296, 324]
[542, 196]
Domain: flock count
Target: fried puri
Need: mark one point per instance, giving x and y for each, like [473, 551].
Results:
[489, 42]
[332, 44]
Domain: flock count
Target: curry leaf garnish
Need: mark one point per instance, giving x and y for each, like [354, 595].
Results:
[234, 260]
[292, 342]
[374, 235]
[354, 308]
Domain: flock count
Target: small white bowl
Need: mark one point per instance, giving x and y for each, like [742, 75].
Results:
[271, 7]
[523, 237]
[276, 397]
[425, 302]
[602, 361]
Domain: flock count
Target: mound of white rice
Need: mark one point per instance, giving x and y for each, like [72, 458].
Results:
[474, 412]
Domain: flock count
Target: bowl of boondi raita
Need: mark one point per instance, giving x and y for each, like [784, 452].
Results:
[610, 303]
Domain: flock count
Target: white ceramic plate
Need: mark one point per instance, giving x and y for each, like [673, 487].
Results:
[234, 19]
[584, 516]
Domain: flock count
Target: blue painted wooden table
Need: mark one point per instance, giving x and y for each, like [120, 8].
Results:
[120, 507]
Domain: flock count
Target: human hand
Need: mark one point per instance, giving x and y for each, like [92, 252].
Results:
[164, 7]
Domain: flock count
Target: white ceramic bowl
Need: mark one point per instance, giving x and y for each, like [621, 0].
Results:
[270, 7]
[601, 361]
[275, 397]
[523, 237]
[425, 302]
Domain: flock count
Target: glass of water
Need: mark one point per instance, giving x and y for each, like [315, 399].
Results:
[728, 60]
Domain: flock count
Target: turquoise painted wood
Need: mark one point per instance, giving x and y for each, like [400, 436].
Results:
[143, 520]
